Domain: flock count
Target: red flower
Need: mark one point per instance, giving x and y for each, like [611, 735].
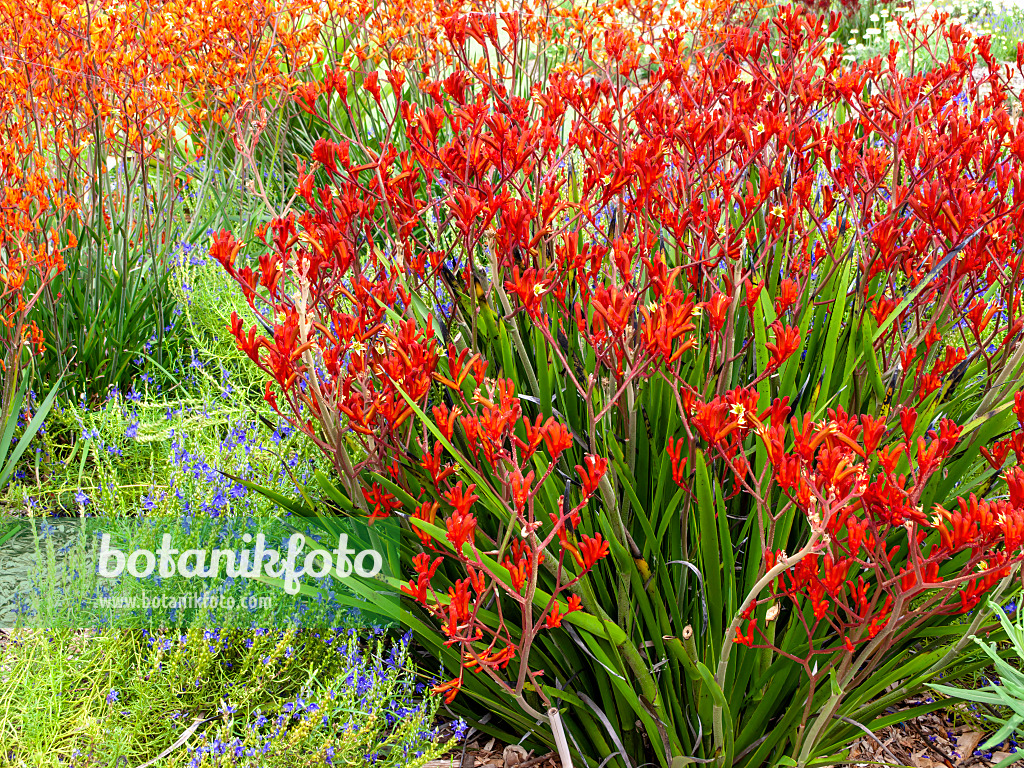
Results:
[382, 501]
[555, 615]
[674, 450]
[306, 95]
[592, 550]
[427, 511]
[908, 418]
[554, 618]
[881, 307]
[224, 248]
[789, 292]
[787, 341]
[460, 530]
[461, 499]
[449, 689]
[747, 639]
[417, 589]
[370, 83]
[596, 466]
[521, 488]
[557, 439]
[518, 573]
[529, 287]
[717, 308]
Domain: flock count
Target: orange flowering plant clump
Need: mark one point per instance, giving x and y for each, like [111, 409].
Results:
[689, 363]
[101, 106]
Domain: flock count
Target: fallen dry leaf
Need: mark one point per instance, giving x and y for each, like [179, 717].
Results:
[514, 755]
[967, 742]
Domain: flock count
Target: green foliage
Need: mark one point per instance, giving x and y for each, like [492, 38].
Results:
[1006, 691]
[111, 305]
[34, 418]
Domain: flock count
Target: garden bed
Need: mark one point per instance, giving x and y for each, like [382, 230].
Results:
[662, 360]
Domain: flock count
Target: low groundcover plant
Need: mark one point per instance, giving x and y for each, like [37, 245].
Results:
[210, 697]
[689, 366]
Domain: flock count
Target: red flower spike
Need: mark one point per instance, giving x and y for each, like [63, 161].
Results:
[789, 292]
[450, 689]
[592, 550]
[874, 431]
[224, 248]
[1015, 485]
[881, 308]
[748, 638]
[445, 419]
[371, 84]
[557, 438]
[908, 418]
[787, 341]
[381, 501]
[717, 309]
[460, 498]
[996, 456]
[674, 450]
[427, 512]
[554, 618]
[425, 569]
[520, 487]
[269, 397]
[461, 529]
[306, 95]
[595, 467]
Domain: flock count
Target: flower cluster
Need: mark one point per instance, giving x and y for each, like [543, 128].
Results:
[793, 263]
[881, 561]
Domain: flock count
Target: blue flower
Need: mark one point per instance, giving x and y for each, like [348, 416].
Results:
[81, 498]
[113, 696]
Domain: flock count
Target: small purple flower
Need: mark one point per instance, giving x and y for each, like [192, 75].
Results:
[113, 696]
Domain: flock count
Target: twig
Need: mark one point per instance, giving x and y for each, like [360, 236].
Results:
[947, 759]
[536, 760]
[870, 735]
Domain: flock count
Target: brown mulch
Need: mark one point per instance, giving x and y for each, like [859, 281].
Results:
[485, 752]
[935, 740]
